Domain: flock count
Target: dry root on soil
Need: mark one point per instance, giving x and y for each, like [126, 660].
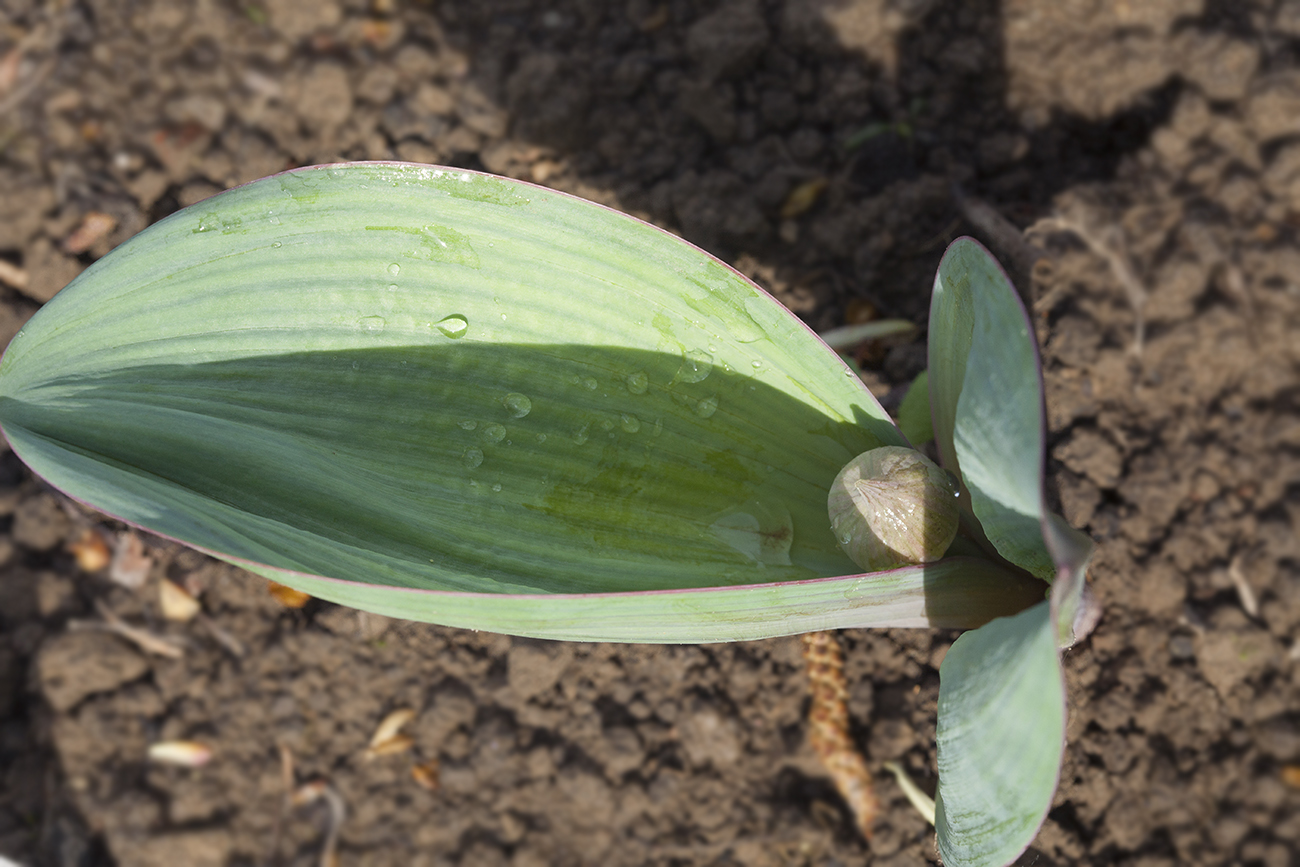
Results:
[828, 728]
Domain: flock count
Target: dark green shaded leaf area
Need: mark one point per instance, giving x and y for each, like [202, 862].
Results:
[521, 468]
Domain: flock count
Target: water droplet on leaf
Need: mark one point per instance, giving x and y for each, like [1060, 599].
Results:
[454, 327]
[518, 405]
[473, 458]
[707, 407]
[696, 366]
[494, 433]
[638, 382]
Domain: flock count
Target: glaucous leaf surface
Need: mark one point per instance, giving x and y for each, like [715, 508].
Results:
[1001, 727]
[986, 394]
[1000, 733]
[374, 381]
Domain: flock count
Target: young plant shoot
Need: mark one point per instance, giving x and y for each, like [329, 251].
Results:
[452, 397]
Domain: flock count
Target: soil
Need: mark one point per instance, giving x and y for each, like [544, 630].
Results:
[830, 149]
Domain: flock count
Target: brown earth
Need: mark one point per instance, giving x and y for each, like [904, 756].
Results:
[1152, 147]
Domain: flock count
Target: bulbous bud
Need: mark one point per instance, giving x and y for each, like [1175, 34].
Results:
[892, 506]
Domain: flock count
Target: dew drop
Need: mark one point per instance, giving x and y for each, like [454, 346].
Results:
[589, 383]
[494, 433]
[638, 382]
[541, 438]
[631, 423]
[208, 222]
[607, 424]
[496, 488]
[756, 364]
[473, 458]
[392, 287]
[518, 405]
[394, 269]
[454, 327]
[696, 366]
[707, 407]
[580, 436]
[372, 324]
[468, 424]
[275, 244]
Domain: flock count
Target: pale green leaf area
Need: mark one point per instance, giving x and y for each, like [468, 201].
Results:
[374, 381]
[996, 407]
[1000, 733]
[914, 412]
[1000, 738]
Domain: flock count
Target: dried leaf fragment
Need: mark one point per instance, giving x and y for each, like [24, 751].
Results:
[94, 228]
[185, 754]
[426, 774]
[12, 275]
[396, 744]
[90, 550]
[387, 739]
[176, 603]
[287, 596]
[130, 565]
[828, 728]
[802, 198]
[391, 725]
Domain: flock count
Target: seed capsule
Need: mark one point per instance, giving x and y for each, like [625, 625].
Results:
[892, 506]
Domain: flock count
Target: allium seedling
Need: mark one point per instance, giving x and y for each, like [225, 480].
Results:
[452, 397]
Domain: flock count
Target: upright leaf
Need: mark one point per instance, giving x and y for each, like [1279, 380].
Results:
[988, 405]
[1001, 727]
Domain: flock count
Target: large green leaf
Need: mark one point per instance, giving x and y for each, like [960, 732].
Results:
[415, 389]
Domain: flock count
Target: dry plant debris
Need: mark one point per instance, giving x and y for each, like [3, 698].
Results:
[828, 728]
[426, 774]
[91, 551]
[130, 564]
[388, 739]
[176, 602]
[287, 596]
[185, 754]
[146, 641]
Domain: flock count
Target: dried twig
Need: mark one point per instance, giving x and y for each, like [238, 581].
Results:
[1008, 240]
[1108, 244]
[1245, 594]
[146, 641]
[316, 790]
[286, 803]
[228, 642]
[923, 803]
[828, 728]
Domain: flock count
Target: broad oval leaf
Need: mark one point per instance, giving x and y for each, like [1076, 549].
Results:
[412, 389]
[1001, 731]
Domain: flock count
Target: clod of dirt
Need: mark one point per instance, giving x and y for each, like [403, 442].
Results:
[532, 669]
[725, 43]
[39, 523]
[74, 665]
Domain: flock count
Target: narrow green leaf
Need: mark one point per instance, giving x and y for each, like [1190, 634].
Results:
[988, 406]
[1000, 738]
[382, 381]
[914, 412]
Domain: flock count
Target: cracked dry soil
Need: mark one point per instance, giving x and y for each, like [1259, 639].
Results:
[1169, 130]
